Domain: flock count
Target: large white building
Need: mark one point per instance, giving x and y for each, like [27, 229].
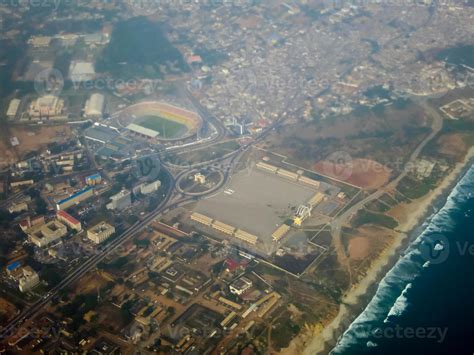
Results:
[46, 106]
[44, 235]
[100, 232]
[94, 106]
[81, 71]
[27, 279]
[13, 108]
[147, 189]
[120, 201]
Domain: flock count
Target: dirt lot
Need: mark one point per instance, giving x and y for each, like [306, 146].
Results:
[364, 173]
[31, 139]
[453, 146]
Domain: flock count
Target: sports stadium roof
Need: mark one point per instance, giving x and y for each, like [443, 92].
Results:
[142, 130]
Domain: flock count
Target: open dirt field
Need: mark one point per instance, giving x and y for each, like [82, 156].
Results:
[452, 146]
[31, 139]
[359, 248]
[364, 173]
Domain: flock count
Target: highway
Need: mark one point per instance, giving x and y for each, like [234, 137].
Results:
[167, 204]
[89, 264]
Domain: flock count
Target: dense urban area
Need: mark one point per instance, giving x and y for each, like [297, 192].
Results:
[215, 176]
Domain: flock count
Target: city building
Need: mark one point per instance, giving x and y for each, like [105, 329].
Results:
[147, 189]
[93, 180]
[120, 201]
[94, 106]
[27, 279]
[30, 222]
[13, 108]
[81, 71]
[40, 41]
[21, 183]
[46, 106]
[200, 178]
[75, 198]
[239, 286]
[100, 232]
[44, 235]
[69, 220]
[18, 207]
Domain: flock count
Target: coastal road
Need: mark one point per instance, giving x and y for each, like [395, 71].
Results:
[342, 219]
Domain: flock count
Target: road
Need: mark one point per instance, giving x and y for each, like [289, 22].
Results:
[170, 201]
[342, 219]
[36, 308]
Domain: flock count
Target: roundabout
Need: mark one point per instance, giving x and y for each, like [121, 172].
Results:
[200, 182]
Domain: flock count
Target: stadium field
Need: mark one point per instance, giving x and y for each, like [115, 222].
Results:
[168, 129]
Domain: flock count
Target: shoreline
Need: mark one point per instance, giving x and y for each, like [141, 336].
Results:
[357, 299]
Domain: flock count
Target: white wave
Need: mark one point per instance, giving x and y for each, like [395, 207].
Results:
[400, 304]
[371, 344]
[406, 269]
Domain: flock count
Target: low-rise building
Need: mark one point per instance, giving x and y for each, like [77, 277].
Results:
[46, 234]
[13, 108]
[27, 279]
[100, 232]
[46, 106]
[147, 189]
[75, 198]
[120, 201]
[241, 285]
[30, 222]
[94, 106]
[18, 207]
[69, 220]
[93, 180]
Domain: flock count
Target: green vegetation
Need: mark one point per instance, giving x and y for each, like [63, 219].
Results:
[166, 128]
[139, 49]
[458, 55]
[366, 217]
[414, 189]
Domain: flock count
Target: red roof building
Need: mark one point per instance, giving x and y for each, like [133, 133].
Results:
[69, 220]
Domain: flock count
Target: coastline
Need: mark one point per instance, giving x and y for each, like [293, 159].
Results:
[360, 295]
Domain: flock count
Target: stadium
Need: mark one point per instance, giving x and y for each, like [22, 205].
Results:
[160, 121]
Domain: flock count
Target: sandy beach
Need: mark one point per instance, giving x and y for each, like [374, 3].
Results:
[414, 214]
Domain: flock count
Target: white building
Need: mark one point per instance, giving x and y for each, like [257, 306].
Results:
[46, 106]
[120, 201]
[100, 232]
[13, 108]
[27, 279]
[94, 106]
[81, 71]
[241, 285]
[44, 235]
[150, 188]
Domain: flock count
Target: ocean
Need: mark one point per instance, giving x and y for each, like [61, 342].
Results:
[425, 303]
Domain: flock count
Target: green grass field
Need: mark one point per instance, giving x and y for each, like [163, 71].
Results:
[168, 129]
